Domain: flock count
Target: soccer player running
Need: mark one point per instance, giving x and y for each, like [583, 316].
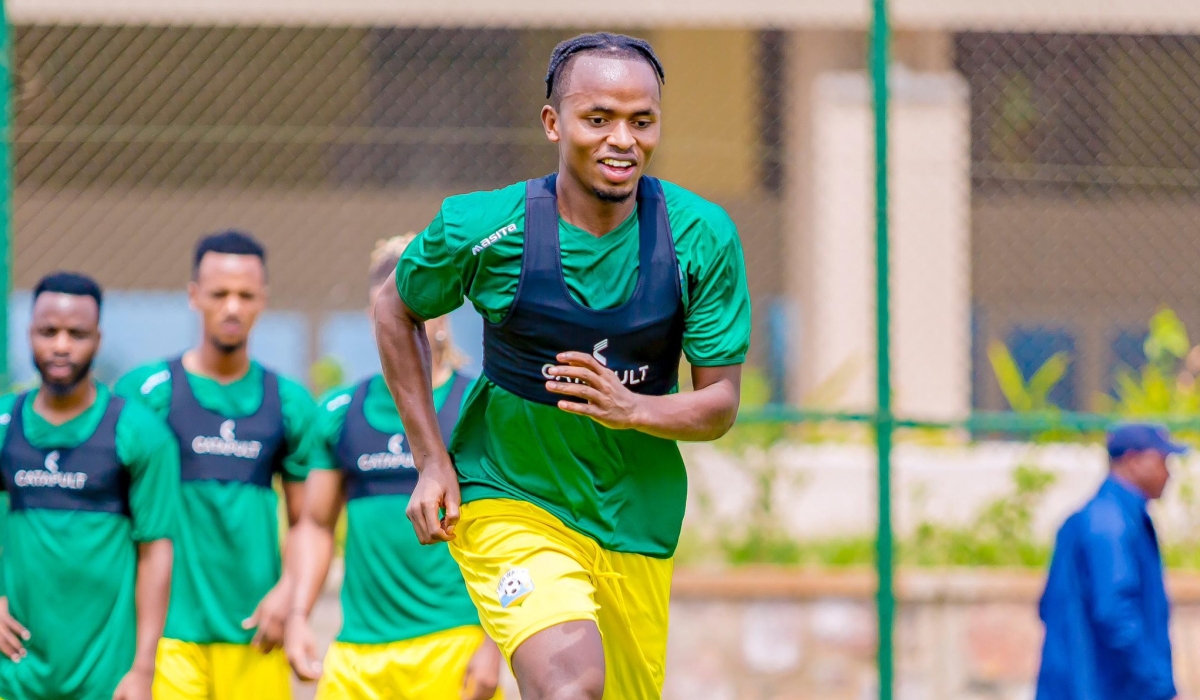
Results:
[93, 492]
[409, 629]
[591, 282]
[238, 424]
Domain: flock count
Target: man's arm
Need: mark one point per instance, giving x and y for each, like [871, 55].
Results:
[152, 594]
[271, 614]
[308, 560]
[305, 451]
[148, 448]
[407, 368]
[13, 634]
[705, 413]
[1116, 608]
[483, 672]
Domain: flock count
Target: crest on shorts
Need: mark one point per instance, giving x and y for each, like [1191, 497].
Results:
[515, 586]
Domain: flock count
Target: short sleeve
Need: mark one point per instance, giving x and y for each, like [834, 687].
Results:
[331, 417]
[429, 278]
[305, 449]
[150, 385]
[149, 450]
[717, 321]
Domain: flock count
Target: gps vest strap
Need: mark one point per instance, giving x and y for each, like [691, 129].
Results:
[213, 447]
[377, 463]
[87, 477]
[641, 340]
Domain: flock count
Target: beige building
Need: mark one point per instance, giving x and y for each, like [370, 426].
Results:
[1046, 157]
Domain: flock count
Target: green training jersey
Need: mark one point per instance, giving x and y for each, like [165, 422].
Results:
[70, 575]
[623, 488]
[394, 587]
[227, 555]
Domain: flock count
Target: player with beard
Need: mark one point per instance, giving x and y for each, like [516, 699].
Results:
[93, 493]
[238, 425]
[591, 283]
[409, 630]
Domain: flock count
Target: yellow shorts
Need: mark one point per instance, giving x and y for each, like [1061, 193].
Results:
[526, 572]
[426, 668]
[189, 671]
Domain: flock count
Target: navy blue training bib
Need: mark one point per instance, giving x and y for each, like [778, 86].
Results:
[213, 447]
[88, 477]
[381, 464]
[641, 340]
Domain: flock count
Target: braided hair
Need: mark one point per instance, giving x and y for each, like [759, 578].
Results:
[610, 45]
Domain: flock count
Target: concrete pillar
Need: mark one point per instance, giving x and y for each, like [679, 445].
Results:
[833, 259]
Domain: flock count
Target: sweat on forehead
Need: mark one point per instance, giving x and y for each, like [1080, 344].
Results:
[590, 73]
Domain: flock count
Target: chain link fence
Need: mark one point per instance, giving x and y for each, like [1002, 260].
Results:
[1085, 152]
[1044, 184]
[133, 141]
[1046, 232]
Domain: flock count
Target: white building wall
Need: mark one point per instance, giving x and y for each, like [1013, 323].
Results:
[930, 196]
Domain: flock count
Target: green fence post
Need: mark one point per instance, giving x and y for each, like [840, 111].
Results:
[6, 188]
[884, 422]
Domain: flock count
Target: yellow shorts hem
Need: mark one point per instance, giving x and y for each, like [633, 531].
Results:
[193, 671]
[430, 667]
[520, 637]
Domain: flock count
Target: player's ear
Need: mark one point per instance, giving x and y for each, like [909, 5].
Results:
[550, 124]
[192, 290]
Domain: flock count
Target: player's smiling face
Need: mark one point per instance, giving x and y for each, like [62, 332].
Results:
[607, 123]
[229, 291]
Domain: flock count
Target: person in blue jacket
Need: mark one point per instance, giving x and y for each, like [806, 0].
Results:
[1105, 607]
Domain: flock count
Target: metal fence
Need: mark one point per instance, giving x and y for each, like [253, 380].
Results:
[1043, 183]
[132, 141]
[1043, 191]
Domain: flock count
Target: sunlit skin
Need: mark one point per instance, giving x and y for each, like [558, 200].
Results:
[64, 335]
[1148, 471]
[607, 124]
[438, 331]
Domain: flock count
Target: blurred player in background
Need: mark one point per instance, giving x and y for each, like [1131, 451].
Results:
[238, 424]
[409, 629]
[93, 486]
[591, 283]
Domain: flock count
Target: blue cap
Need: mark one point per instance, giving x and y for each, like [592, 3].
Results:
[1141, 437]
